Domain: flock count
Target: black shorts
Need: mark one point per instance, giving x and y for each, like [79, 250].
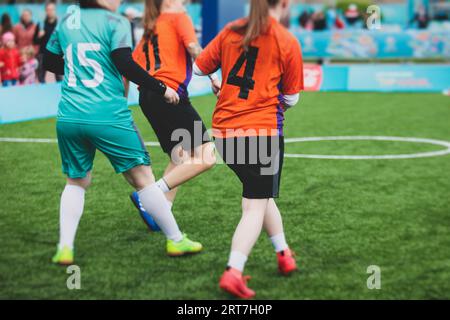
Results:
[257, 161]
[173, 125]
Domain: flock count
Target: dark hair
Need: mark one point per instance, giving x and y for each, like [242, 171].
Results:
[6, 23]
[89, 4]
[257, 21]
[152, 12]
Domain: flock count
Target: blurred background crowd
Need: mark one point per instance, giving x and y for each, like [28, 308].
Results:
[22, 42]
[353, 14]
[26, 26]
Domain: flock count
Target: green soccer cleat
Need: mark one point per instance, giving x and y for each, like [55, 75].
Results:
[63, 256]
[185, 246]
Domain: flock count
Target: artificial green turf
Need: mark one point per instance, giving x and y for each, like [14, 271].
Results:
[340, 216]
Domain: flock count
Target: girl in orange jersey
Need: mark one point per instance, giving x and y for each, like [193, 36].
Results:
[262, 74]
[166, 51]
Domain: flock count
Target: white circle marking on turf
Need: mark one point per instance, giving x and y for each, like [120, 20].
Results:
[438, 153]
[35, 140]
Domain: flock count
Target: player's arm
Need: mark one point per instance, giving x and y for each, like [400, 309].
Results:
[208, 62]
[186, 31]
[53, 62]
[124, 62]
[195, 50]
[54, 55]
[292, 80]
[122, 58]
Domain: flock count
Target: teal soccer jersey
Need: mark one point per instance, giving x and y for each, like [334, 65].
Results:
[93, 90]
[93, 113]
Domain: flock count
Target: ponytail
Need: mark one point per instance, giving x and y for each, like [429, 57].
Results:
[257, 21]
[152, 12]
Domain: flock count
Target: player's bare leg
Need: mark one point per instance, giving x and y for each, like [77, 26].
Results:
[249, 227]
[188, 166]
[244, 238]
[273, 224]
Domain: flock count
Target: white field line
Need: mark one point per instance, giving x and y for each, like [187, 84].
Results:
[438, 153]
[441, 143]
[32, 140]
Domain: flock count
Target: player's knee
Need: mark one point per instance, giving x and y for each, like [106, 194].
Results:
[140, 177]
[84, 183]
[209, 160]
[206, 156]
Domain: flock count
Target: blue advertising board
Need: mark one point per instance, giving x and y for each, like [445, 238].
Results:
[407, 78]
[23, 103]
[365, 44]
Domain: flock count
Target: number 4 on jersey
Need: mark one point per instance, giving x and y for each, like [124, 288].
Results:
[246, 82]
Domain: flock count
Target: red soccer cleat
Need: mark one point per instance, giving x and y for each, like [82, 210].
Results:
[234, 283]
[286, 262]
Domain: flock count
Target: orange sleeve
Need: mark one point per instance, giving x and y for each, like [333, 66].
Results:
[138, 54]
[210, 58]
[186, 30]
[292, 81]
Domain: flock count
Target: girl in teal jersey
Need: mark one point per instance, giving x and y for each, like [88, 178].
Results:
[92, 48]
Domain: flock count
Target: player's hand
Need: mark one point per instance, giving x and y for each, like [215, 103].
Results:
[216, 84]
[171, 96]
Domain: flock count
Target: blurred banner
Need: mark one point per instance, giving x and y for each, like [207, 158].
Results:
[377, 77]
[375, 44]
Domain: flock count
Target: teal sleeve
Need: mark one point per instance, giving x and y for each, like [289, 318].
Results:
[54, 45]
[121, 34]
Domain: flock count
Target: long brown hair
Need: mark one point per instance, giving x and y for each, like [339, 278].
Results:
[152, 12]
[257, 21]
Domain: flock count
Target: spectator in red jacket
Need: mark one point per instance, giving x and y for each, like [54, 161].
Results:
[10, 60]
[26, 31]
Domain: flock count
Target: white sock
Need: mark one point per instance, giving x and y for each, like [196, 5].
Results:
[279, 242]
[71, 209]
[154, 201]
[161, 183]
[237, 260]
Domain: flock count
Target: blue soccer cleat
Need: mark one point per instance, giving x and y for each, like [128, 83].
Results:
[148, 219]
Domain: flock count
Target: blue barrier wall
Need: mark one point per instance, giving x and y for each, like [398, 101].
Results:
[378, 78]
[405, 78]
[23, 103]
[29, 102]
[41, 101]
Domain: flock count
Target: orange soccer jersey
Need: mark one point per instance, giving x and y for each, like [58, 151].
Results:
[165, 54]
[253, 81]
